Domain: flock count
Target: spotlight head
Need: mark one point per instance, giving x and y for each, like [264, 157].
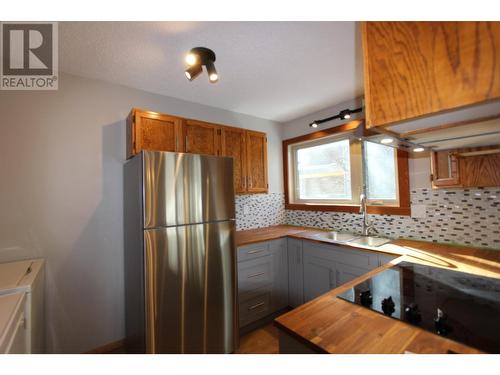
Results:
[193, 71]
[191, 59]
[196, 58]
[212, 72]
[345, 114]
[313, 124]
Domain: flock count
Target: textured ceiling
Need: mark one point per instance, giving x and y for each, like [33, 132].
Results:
[273, 70]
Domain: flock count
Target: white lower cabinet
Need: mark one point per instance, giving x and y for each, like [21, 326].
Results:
[329, 266]
[13, 333]
[295, 272]
[289, 272]
[345, 273]
[262, 280]
[319, 275]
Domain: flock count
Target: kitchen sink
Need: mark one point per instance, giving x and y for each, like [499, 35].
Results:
[338, 237]
[370, 241]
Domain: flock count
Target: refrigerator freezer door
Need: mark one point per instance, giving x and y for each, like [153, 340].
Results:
[186, 189]
[191, 289]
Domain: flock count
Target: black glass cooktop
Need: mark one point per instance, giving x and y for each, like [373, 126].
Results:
[460, 306]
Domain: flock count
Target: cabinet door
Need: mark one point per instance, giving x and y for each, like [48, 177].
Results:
[385, 258]
[319, 276]
[280, 273]
[295, 273]
[256, 143]
[418, 68]
[478, 167]
[345, 273]
[152, 131]
[201, 137]
[233, 144]
[444, 169]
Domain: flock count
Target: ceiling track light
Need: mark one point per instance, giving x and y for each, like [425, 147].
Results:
[193, 71]
[196, 59]
[345, 114]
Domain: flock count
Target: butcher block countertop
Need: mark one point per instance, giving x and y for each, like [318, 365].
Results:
[328, 324]
[247, 237]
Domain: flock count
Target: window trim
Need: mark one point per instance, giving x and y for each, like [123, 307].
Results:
[403, 183]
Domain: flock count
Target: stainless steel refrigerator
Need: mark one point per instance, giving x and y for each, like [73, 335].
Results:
[180, 255]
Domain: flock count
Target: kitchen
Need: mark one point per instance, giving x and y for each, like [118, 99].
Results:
[363, 218]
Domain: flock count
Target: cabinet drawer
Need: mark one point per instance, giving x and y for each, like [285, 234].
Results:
[253, 251]
[255, 308]
[254, 274]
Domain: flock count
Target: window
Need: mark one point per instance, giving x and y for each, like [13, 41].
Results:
[324, 171]
[327, 172]
[381, 173]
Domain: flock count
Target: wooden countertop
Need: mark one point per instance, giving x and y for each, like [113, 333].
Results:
[328, 324]
[246, 237]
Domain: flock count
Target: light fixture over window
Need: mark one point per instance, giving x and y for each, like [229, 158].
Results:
[345, 114]
[198, 57]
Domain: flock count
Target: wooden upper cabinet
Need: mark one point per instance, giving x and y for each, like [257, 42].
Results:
[152, 131]
[158, 132]
[444, 169]
[470, 167]
[256, 150]
[201, 137]
[412, 69]
[233, 144]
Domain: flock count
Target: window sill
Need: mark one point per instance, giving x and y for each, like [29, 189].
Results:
[378, 210]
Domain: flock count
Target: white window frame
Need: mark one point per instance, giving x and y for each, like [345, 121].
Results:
[355, 165]
[357, 155]
[385, 202]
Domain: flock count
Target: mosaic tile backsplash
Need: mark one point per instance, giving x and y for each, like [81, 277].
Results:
[455, 216]
[263, 210]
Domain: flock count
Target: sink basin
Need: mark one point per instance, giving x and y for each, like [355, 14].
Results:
[370, 241]
[333, 236]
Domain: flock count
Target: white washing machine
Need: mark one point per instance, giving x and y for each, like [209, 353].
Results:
[28, 276]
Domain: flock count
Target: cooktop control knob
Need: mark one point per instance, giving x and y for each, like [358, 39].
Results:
[365, 298]
[388, 306]
[441, 323]
[412, 314]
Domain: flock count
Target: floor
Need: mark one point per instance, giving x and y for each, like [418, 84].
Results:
[261, 341]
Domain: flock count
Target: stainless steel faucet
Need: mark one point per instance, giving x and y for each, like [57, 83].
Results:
[367, 226]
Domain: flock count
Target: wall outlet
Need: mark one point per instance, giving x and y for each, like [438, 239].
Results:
[419, 211]
[246, 209]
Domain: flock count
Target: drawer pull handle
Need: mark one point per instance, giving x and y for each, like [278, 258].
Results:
[256, 274]
[255, 251]
[256, 305]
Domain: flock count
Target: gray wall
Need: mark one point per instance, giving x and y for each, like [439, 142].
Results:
[61, 158]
